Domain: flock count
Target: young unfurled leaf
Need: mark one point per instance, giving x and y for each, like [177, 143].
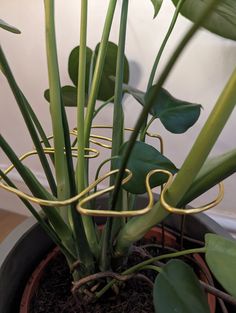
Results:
[9, 27]
[177, 116]
[177, 289]
[221, 258]
[69, 96]
[143, 159]
[157, 5]
[222, 21]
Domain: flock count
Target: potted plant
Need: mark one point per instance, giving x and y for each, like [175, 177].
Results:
[98, 256]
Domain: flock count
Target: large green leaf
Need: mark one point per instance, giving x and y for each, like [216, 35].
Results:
[177, 116]
[157, 5]
[73, 65]
[107, 85]
[69, 96]
[213, 171]
[222, 20]
[143, 159]
[177, 289]
[9, 27]
[221, 258]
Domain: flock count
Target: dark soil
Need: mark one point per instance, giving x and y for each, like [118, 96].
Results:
[54, 294]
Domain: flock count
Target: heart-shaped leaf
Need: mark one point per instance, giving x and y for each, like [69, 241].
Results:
[9, 27]
[69, 96]
[177, 116]
[143, 159]
[107, 85]
[73, 65]
[222, 21]
[221, 258]
[157, 5]
[177, 289]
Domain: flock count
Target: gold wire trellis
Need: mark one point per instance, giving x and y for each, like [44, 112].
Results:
[85, 195]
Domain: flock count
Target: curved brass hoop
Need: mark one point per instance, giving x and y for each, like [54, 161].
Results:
[38, 200]
[51, 151]
[60, 203]
[179, 211]
[92, 136]
[109, 213]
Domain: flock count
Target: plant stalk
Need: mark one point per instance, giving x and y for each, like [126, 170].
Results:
[56, 106]
[98, 69]
[81, 166]
[117, 131]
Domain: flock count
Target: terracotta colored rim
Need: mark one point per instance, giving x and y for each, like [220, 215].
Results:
[155, 232]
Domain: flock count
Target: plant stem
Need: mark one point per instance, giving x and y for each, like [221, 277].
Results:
[56, 105]
[80, 171]
[145, 263]
[143, 132]
[158, 57]
[117, 131]
[102, 106]
[218, 293]
[98, 69]
[167, 36]
[137, 227]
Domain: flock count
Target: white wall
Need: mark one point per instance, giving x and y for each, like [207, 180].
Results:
[199, 76]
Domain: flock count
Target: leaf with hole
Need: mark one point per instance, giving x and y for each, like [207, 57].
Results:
[9, 27]
[177, 116]
[143, 159]
[177, 289]
[221, 258]
[222, 21]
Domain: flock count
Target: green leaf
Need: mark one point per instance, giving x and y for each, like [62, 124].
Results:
[9, 27]
[221, 258]
[222, 20]
[213, 171]
[177, 116]
[157, 5]
[143, 159]
[107, 85]
[177, 289]
[69, 96]
[73, 66]
[137, 94]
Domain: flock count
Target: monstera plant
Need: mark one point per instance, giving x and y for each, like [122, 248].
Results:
[98, 256]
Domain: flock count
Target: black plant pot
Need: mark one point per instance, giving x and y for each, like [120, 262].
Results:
[26, 246]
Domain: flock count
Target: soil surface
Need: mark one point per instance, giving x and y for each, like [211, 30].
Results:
[54, 293]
